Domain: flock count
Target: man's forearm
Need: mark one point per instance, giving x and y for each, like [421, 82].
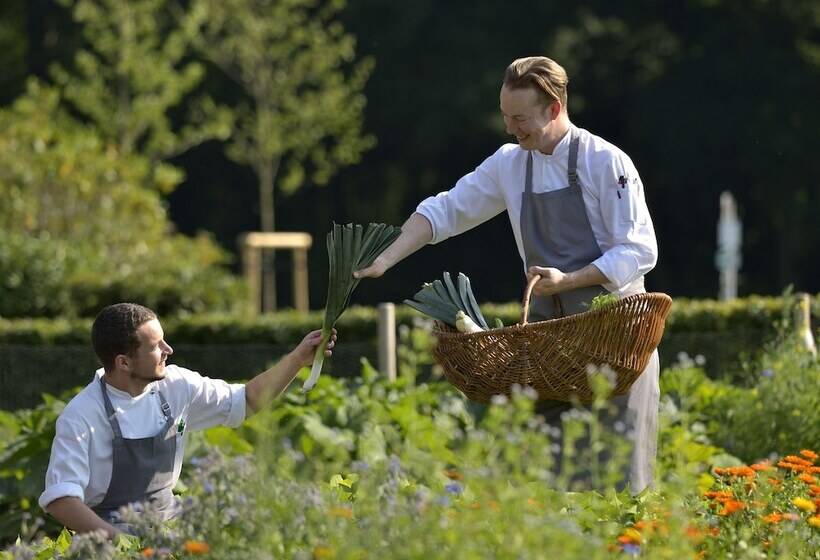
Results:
[268, 385]
[74, 514]
[590, 275]
[416, 232]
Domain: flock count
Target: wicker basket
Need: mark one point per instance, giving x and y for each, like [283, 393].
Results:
[552, 356]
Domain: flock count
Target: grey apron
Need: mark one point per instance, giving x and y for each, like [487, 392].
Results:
[142, 469]
[555, 232]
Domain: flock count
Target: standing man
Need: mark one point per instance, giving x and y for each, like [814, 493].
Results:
[579, 216]
[121, 439]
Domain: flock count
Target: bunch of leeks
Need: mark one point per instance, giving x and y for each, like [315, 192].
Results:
[350, 247]
[453, 305]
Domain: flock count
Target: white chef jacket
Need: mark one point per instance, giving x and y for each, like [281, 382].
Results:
[612, 190]
[82, 452]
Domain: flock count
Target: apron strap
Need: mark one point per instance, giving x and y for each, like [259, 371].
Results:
[109, 410]
[572, 163]
[528, 176]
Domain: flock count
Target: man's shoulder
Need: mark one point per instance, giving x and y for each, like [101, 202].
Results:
[178, 378]
[85, 405]
[600, 150]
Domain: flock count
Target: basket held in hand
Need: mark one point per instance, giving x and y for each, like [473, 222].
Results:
[552, 356]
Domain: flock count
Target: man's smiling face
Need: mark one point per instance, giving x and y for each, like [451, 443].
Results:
[526, 117]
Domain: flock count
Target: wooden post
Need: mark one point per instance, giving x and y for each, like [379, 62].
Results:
[387, 340]
[253, 243]
[802, 323]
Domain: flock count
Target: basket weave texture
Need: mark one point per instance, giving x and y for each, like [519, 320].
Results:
[552, 356]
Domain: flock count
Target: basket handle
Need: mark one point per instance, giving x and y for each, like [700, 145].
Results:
[525, 303]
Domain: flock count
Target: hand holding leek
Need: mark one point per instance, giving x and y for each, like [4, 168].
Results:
[350, 247]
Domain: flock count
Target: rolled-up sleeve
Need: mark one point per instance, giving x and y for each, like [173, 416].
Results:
[68, 468]
[632, 249]
[214, 402]
[474, 199]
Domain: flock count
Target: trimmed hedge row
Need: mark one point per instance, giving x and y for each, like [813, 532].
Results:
[754, 313]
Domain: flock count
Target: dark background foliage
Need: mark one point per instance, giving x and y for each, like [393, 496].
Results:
[704, 95]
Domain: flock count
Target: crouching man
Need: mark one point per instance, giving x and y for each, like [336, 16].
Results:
[121, 439]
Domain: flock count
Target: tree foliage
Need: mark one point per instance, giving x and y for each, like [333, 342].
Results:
[82, 224]
[303, 101]
[134, 71]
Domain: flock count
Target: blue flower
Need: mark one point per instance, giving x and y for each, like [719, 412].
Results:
[454, 488]
[631, 549]
[768, 372]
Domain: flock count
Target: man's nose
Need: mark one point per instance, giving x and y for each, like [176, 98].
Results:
[168, 349]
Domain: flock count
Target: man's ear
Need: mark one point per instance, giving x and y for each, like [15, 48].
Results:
[123, 362]
[555, 109]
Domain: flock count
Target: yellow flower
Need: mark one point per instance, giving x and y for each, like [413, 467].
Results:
[321, 552]
[814, 521]
[196, 547]
[804, 504]
[345, 512]
[630, 536]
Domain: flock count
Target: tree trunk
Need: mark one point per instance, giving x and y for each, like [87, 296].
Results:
[266, 171]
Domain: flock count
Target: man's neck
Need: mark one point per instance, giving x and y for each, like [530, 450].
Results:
[560, 129]
[124, 382]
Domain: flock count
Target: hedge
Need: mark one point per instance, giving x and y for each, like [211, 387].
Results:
[753, 313]
[42, 355]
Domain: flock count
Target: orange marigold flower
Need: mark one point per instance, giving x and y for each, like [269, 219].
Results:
[814, 490]
[345, 512]
[196, 547]
[743, 471]
[807, 478]
[148, 552]
[762, 466]
[814, 521]
[808, 454]
[719, 495]
[731, 506]
[693, 532]
[792, 466]
[714, 531]
[797, 460]
[775, 481]
[773, 518]
[453, 474]
[804, 504]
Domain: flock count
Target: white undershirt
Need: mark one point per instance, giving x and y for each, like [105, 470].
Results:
[81, 455]
[621, 225]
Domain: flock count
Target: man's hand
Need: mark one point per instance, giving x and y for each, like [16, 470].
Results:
[304, 351]
[378, 268]
[553, 281]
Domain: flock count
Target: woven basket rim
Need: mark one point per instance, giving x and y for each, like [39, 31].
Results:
[449, 331]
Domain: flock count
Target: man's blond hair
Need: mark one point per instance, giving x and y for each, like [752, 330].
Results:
[543, 74]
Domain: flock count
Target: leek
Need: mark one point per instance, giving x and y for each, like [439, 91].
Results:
[449, 304]
[350, 247]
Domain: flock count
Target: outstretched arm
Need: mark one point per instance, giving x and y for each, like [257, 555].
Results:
[268, 385]
[416, 232]
[71, 512]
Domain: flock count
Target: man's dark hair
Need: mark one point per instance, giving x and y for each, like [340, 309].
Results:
[114, 331]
